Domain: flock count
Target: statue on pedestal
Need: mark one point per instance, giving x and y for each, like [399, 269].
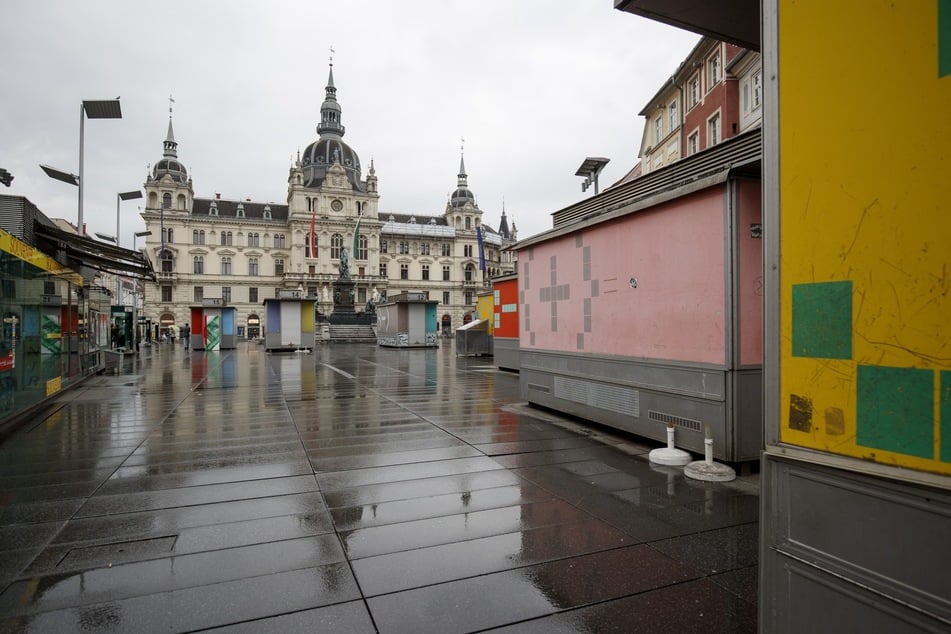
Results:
[344, 264]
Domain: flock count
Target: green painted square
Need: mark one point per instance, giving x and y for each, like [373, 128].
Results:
[944, 38]
[822, 320]
[944, 412]
[895, 410]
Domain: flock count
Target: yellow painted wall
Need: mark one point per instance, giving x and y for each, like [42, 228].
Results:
[10, 244]
[485, 308]
[865, 220]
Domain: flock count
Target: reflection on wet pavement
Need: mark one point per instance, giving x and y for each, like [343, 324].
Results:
[354, 489]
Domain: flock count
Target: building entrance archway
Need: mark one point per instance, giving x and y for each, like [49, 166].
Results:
[254, 326]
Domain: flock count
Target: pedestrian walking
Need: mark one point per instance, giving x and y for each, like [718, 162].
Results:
[186, 335]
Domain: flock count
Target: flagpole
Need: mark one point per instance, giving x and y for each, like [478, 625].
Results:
[313, 236]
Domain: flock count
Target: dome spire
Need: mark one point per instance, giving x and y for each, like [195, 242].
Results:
[463, 177]
[330, 109]
[169, 165]
[463, 195]
[171, 146]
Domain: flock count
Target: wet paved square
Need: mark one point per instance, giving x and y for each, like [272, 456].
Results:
[355, 489]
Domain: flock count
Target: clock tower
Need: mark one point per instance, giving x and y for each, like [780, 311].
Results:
[332, 208]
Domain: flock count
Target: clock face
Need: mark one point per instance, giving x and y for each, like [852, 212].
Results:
[336, 205]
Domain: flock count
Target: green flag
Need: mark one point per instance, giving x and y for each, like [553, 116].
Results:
[356, 240]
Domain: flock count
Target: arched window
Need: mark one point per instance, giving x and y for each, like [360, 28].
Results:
[171, 235]
[167, 263]
[336, 243]
[362, 248]
[226, 265]
[280, 241]
[470, 272]
[240, 211]
[253, 267]
[468, 222]
[166, 201]
[198, 264]
[267, 212]
[226, 238]
[181, 202]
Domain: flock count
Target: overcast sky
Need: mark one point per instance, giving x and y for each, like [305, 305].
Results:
[533, 86]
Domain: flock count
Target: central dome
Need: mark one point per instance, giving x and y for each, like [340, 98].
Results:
[322, 153]
[462, 196]
[171, 167]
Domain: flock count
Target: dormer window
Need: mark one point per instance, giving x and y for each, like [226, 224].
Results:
[412, 220]
[213, 209]
[240, 212]
[267, 212]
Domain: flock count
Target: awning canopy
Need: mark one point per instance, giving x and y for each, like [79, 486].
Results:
[83, 252]
[736, 21]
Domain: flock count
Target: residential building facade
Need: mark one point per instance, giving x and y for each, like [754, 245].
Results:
[242, 251]
[699, 105]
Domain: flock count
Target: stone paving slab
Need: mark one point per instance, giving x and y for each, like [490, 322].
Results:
[355, 489]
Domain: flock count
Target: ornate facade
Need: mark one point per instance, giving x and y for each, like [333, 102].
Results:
[242, 252]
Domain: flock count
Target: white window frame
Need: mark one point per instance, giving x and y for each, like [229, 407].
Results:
[672, 118]
[714, 70]
[693, 91]
[714, 129]
[694, 139]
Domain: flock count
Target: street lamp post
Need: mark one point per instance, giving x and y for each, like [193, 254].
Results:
[114, 239]
[139, 234]
[120, 197]
[135, 291]
[94, 109]
[98, 109]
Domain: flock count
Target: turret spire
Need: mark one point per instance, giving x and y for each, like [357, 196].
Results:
[171, 146]
[463, 178]
[503, 224]
[330, 109]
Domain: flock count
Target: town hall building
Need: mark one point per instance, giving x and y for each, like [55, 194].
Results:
[241, 252]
